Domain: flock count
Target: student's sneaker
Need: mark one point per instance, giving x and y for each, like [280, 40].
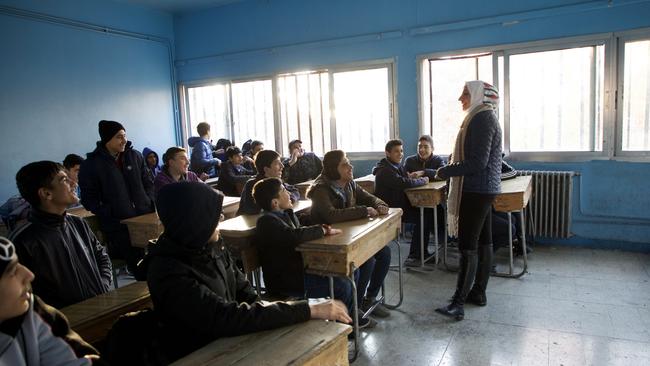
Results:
[415, 262]
[367, 323]
[379, 311]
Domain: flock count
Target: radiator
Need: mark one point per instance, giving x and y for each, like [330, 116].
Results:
[549, 209]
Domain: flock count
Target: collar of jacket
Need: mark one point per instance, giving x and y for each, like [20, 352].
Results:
[101, 150]
[47, 219]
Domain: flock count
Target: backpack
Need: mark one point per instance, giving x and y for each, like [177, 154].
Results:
[135, 339]
[14, 210]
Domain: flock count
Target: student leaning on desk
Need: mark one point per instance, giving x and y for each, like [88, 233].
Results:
[197, 291]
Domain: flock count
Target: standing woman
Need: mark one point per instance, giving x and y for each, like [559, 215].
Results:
[475, 172]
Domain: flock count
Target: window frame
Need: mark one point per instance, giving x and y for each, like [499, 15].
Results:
[613, 64]
[388, 63]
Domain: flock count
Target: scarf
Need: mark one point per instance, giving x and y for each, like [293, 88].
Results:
[483, 97]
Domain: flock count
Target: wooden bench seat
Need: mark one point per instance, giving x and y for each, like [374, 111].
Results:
[92, 318]
[316, 342]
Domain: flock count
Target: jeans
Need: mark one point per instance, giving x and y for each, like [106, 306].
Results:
[319, 286]
[372, 274]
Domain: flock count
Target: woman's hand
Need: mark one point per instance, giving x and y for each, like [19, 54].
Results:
[330, 310]
[329, 230]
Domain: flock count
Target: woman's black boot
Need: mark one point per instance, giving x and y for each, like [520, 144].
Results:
[466, 274]
[477, 294]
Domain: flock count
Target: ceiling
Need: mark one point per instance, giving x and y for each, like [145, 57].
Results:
[179, 6]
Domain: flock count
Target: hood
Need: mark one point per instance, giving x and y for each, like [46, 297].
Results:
[148, 151]
[383, 163]
[190, 212]
[192, 141]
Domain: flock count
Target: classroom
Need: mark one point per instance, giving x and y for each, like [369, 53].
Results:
[463, 142]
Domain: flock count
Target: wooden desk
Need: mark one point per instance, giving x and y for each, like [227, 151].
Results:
[212, 182]
[315, 342]
[339, 255]
[367, 182]
[92, 318]
[238, 235]
[514, 197]
[146, 227]
[429, 195]
[90, 218]
[303, 187]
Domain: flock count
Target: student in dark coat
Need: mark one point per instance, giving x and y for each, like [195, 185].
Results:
[115, 186]
[424, 164]
[152, 162]
[300, 166]
[268, 165]
[233, 175]
[69, 262]
[391, 179]
[198, 292]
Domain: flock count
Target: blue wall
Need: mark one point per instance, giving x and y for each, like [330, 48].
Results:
[265, 37]
[60, 77]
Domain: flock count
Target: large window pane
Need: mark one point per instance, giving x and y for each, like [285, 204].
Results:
[252, 111]
[447, 78]
[362, 103]
[304, 111]
[636, 97]
[556, 100]
[209, 104]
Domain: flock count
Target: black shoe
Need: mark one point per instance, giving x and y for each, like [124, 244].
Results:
[454, 310]
[476, 297]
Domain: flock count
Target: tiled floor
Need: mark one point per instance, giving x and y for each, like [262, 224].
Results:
[574, 307]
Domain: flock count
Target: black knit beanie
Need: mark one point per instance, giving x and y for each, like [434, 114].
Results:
[108, 129]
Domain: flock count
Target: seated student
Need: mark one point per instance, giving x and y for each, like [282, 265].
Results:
[424, 164]
[268, 165]
[201, 159]
[391, 178]
[70, 264]
[220, 149]
[72, 164]
[254, 147]
[232, 174]
[336, 198]
[198, 292]
[301, 166]
[151, 162]
[278, 233]
[175, 169]
[32, 332]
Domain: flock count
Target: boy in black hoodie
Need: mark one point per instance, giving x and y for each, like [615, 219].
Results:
[198, 292]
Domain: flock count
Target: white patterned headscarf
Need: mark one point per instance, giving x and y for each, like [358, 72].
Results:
[482, 93]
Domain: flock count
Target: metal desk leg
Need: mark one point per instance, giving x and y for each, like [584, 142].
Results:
[511, 273]
[435, 232]
[401, 283]
[355, 316]
[258, 281]
[423, 267]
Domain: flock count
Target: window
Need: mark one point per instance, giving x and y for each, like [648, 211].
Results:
[635, 97]
[553, 96]
[556, 100]
[341, 108]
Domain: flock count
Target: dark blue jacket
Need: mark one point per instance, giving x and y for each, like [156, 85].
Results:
[413, 164]
[201, 160]
[231, 175]
[482, 165]
[390, 182]
[114, 192]
[307, 167]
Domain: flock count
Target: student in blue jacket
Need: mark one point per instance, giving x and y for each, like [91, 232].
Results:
[201, 160]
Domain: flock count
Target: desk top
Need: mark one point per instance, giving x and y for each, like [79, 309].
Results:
[297, 344]
[514, 195]
[365, 178]
[303, 187]
[244, 225]
[111, 303]
[80, 211]
[436, 186]
[353, 232]
[428, 195]
[212, 181]
[152, 218]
